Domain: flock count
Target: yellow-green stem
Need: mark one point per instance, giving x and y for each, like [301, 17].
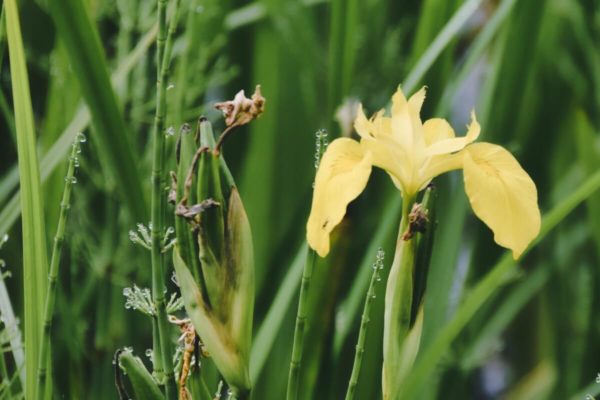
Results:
[300, 330]
[398, 303]
[53, 273]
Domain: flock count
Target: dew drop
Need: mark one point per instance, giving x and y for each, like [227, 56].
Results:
[171, 86]
[73, 180]
[170, 131]
[81, 137]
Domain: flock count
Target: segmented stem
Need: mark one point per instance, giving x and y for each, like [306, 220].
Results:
[300, 330]
[54, 265]
[164, 43]
[364, 322]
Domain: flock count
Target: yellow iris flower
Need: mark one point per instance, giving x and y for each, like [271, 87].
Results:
[501, 193]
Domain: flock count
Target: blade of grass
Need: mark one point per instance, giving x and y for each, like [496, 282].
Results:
[85, 53]
[440, 42]
[269, 328]
[35, 253]
[487, 287]
[57, 152]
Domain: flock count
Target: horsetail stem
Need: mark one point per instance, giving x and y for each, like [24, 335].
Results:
[54, 264]
[364, 321]
[162, 347]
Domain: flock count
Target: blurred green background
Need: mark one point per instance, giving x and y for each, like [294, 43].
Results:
[529, 68]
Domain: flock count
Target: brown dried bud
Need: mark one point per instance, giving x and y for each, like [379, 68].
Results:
[241, 110]
[417, 221]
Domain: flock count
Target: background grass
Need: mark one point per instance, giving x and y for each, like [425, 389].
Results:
[530, 69]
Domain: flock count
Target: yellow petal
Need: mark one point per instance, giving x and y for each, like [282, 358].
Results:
[378, 125]
[502, 195]
[342, 176]
[438, 129]
[361, 123]
[388, 155]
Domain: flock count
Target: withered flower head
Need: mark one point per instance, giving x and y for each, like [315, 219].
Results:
[241, 110]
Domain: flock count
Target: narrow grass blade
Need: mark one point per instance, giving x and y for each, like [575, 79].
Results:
[89, 66]
[271, 325]
[11, 211]
[35, 253]
[442, 40]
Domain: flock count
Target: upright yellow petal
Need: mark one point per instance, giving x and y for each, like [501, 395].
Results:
[342, 176]
[502, 195]
[376, 126]
[437, 129]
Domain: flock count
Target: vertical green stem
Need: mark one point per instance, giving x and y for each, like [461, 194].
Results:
[53, 273]
[299, 331]
[398, 303]
[164, 44]
[364, 321]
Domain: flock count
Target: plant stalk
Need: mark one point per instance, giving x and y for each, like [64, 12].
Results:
[164, 43]
[300, 329]
[398, 303]
[364, 322]
[53, 273]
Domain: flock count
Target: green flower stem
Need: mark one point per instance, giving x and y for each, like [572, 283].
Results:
[362, 334]
[53, 273]
[487, 287]
[300, 330]
[398, 303]
[164, 42]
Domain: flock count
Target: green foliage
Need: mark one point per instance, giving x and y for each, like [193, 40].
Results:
[528, 68]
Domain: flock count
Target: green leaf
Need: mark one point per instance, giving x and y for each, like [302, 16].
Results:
[85, 53]
[144, 386]
[35, 253]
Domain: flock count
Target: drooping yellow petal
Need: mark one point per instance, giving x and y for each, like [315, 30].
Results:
[502, 195]
[438, 129]
[342, 176]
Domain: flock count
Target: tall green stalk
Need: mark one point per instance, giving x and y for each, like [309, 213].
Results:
[398, 303]
[300, 330]
[35, 256]
[164, 44]
[54, 264]
[364, 322]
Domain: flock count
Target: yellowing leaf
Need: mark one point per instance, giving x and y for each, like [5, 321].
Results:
[342, 176]
[502, 195]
